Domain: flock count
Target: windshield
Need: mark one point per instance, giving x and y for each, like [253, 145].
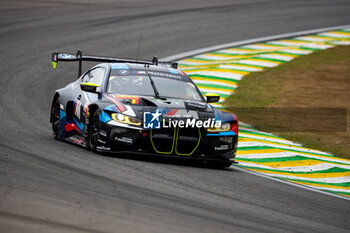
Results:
[141, 85]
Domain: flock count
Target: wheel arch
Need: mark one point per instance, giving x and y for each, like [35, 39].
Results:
[56, 96]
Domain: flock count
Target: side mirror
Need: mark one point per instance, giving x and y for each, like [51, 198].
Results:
[90, 87]
[212, 97]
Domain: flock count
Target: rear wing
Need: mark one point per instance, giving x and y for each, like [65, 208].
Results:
[79, 57]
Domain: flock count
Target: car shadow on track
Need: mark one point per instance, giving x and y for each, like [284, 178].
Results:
[183, 161]
[187, 162]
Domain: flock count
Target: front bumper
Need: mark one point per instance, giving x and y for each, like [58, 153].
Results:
[191, 143]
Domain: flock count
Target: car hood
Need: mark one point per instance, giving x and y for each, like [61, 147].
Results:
[135, 106]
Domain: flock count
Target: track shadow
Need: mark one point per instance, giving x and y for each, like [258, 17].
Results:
[186, 162]
[183, 161]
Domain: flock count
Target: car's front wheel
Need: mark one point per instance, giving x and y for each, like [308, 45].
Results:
[94, 132]
[55, 118]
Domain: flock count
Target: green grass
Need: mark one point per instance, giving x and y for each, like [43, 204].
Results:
[321, 79]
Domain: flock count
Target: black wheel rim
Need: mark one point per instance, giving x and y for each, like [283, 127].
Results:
[94, 132]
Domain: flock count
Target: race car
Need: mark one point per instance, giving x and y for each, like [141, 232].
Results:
[143, 107]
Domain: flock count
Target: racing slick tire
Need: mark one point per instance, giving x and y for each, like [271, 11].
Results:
[93, 132]
[55, 118]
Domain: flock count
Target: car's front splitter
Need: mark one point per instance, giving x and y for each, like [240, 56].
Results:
[120, 138]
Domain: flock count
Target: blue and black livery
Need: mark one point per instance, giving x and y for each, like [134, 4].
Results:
[103, 110]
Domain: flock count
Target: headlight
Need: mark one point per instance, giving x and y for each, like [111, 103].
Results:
[126, 119]
[224, 128]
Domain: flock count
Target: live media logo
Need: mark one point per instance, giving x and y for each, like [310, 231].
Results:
[151, 120]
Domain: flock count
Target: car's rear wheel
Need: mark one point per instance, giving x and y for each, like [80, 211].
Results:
[55, 116]
[94, 132]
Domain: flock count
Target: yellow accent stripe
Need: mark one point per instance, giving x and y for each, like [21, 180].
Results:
[199, 140]
[90, 84]
[163, 152]
[54, 65]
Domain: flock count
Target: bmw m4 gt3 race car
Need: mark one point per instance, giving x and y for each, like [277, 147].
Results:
[143, 107]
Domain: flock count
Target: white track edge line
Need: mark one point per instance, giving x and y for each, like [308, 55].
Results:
[250, 41]
[290, 183]
[256, 40]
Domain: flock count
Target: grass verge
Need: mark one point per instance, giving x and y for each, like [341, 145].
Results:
[306, 100]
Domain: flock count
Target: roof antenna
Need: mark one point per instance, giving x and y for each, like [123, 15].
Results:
[138, 49]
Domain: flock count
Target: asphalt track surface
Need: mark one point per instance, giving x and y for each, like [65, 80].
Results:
[52, 186]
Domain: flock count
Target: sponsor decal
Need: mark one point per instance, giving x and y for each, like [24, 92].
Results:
[120, 107]
[151, 120]
[175, 118]
[119, 66]
[70, 127]
[112, 77]
[76, 139]
[77, 109]
[65, 56]
[86, 111]
[196, 104]
[181, 72]
[161, 74]
[103, 133]
[104, 117]
[134, 99]
[181, 113]
[222, 147]
[123, 72]
[173, 71]
[139, 72]
[103, 148]
[176, 102]
[129, 111]
[191, 123]
[123, 140]
[99, 140]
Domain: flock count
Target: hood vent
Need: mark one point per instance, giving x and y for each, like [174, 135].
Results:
[147, 102]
